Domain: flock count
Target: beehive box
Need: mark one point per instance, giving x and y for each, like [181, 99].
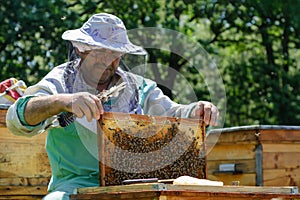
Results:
[264, 155]
[132, 146]
[24, 167]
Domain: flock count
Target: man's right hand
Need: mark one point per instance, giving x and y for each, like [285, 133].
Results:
[84, 104]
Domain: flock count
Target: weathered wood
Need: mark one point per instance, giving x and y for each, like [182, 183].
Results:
[281, 135]
[171, 187]
[279, 147]
[226, 188]
[236, 148]
[23, 197]
[22, 190]
[23, 160]
[22, 156]
[276, 164]
[239, 137]
[24, 166]
[186, 192]
[231, 152]
[184, 195]
[244, 179]
[199, 195]
[241, 154]
[24, 181]
[281, 156]
[144, 195]
[281, 160]
[7, 136]
[122, 188]
[282, 177]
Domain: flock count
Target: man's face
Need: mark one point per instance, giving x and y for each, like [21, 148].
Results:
[98, 66]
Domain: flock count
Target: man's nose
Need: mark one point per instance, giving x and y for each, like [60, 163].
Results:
[107, 60]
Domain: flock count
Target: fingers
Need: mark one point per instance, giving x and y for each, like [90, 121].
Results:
[97, 107]
[208, 112]
[211, 116]
[88, 105]
[78, 111]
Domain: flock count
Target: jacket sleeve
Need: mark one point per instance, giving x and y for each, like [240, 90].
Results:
[154, 102]
[15, 122]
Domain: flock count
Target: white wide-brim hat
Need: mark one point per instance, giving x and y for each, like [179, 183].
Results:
[104, 31]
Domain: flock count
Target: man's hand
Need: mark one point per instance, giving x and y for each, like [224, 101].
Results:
[84, 104]
[207, 112]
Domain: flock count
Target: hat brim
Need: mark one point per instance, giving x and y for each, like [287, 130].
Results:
[79, 36]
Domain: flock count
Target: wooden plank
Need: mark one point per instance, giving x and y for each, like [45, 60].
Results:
[280, 135]
[291, 147]
[184, 195]
[189, 192]
[246, 166]
[227, 179]
[24, 167]
[140, 195]
[23, 197]
[25, 181]
[7, 136]
[226, 188]
[122, 188]
[281, 160]
[23, 160]
[200, 195]
[22, 156]
[238, 137]
[284, 177]
[232, 152]
[171, 187]
[22, 190]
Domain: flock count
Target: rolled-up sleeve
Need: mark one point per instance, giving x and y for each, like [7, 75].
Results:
[15, 121]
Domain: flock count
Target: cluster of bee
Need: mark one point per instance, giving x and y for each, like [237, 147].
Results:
[163, 152]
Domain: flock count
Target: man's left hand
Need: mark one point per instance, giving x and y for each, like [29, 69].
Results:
[207, 112]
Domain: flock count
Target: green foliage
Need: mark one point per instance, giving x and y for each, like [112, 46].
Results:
[255, 44]
[256, 39]
[31, 37]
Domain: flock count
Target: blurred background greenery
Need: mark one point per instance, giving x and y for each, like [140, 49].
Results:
[254, 43]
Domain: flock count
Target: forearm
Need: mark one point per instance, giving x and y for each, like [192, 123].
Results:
[40, 108]
[81, 104]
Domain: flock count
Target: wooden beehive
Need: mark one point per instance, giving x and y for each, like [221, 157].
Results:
[24, 167]
[134, 146]
[264, 155]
